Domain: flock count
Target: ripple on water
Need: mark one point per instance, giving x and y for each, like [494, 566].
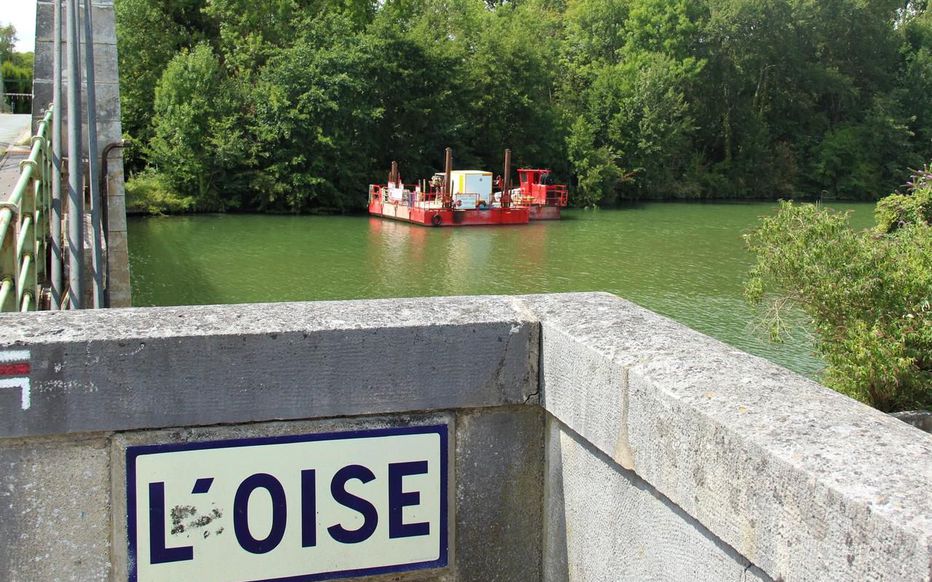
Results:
[686, 261]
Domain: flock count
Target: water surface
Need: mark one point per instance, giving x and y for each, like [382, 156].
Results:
[686, 261]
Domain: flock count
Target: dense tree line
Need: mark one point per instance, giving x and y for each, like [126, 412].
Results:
[15, 72]
[291, 105]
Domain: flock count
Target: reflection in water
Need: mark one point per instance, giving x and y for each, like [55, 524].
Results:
[686, 261]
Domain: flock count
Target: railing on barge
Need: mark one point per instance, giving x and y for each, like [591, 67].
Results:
[24, 227]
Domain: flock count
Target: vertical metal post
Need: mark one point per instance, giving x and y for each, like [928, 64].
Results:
[93, 176]
[75, 169]
[506, 181]
[447, 172]
[56, 160]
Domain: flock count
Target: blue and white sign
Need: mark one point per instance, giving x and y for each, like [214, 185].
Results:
[296, 508]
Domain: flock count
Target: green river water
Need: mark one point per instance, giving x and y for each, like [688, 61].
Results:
[686, 261]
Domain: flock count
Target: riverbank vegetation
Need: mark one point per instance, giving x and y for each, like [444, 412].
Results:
[15, 73]
[295, 105]
[868, 293]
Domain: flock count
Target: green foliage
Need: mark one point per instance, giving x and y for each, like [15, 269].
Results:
[15, 71]
[197, 142]
[625, 99]
[914, 89]
[311, 117]
[869, 294]
[150, 193]
[597, 170]
[912, 208]
[511, 78]
[632, 127]
[17, 78]
[149, 34]
[7, 42]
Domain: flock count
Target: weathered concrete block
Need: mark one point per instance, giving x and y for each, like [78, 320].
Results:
[118, 222]
[785, 504]
[499, 492]
[109, 127]
[41, 99]
[605, 523]
[118, 248]
[54, 509]
[116, 253]
[115, 173]
[806, 483]
[595, 409]
[119, 296]
[129, 369]
[45, 13]
[104, 23]
[105, 59]
[108, 109]
[104, 27]
[107, 132]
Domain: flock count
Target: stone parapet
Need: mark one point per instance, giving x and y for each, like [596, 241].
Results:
[592, 439]
[804, 482]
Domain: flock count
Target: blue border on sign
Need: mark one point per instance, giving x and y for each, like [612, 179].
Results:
[133, 452]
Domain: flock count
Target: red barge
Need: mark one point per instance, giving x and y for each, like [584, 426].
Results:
[469, 197]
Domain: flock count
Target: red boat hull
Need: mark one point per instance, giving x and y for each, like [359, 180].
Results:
[446, 217]
[545, 212]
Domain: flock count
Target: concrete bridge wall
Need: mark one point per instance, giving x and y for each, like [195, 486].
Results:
[590, 439]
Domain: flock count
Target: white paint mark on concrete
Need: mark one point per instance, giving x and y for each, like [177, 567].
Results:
[142, 346]
[9, 356]
[16, 374]
[23, 385]
[66, 387]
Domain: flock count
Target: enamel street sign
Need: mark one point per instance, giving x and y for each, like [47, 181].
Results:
[296, 508]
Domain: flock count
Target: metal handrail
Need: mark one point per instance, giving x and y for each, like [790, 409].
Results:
[557, 195]
[24, 227]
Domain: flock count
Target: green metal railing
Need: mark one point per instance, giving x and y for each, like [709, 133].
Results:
[24, 227]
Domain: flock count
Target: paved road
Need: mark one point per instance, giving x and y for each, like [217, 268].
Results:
[12, 129]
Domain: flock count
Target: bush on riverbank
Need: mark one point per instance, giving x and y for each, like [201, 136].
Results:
[901, 210]
[868, 293]
[148, 192]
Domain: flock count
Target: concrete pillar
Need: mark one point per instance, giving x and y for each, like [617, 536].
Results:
[109, 129]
